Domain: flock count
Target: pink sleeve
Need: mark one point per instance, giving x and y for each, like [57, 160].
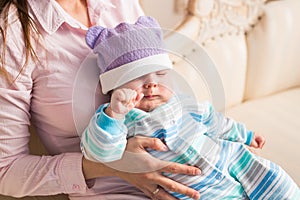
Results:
[28, 174]
[22, 174]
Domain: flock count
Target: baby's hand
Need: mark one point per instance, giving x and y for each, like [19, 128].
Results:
[122, 101]
[258, 141]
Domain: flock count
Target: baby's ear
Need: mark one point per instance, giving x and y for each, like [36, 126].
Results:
[92, 35]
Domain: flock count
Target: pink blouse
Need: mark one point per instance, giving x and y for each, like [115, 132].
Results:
[44, 93]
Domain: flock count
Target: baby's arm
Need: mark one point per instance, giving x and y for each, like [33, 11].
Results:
[105, 138]
[222, 127]
[122, 101]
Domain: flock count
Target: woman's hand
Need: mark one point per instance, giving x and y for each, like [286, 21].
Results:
[140, 169]
[144, 171]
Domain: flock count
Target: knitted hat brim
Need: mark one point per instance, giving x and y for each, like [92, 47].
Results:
[119, 76]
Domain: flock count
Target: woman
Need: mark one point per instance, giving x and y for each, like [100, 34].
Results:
[42, 47]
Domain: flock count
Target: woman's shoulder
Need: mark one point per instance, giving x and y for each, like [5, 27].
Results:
[9, 18]
[14, 49]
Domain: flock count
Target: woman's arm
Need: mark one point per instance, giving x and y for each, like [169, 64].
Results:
[22, 174]
[143, 171]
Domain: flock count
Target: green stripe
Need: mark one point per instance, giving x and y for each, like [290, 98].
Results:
[133, 116]
[186, 156]
[241, 164]
[232, 136]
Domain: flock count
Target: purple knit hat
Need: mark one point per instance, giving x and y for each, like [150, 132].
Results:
[128, 51]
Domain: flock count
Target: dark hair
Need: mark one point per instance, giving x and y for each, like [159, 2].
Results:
[28, 28]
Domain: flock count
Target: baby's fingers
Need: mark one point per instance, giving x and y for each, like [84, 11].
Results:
[119, 95]
[130, 95]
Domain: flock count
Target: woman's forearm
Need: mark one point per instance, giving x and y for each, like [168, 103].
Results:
[31, 175]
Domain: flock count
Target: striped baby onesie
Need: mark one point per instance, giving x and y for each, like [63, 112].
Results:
[196, 135]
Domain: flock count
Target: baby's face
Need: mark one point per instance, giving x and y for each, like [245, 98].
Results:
[156, 88]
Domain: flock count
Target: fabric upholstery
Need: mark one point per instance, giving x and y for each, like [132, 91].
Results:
[273, 50]
[230, 55]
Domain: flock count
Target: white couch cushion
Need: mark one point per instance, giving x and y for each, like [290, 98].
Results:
[230, 55]
[221, 32]
[277, 118]
[274, 46]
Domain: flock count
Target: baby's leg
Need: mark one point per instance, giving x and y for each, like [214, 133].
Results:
[261, 178]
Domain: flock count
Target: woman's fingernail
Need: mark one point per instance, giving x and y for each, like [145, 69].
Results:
[198, 171]
[196, 196]
[165, 148]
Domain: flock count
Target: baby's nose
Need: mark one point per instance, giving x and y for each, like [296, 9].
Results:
[150, 85]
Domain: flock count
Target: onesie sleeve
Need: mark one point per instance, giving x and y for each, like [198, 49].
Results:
[104, 140]
[222, 127]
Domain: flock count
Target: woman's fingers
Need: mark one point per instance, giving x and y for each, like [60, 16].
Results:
[155, 185]
[148, 183]
[170, 185]
[158, 193]
[135, 150]
[162, 166]
[150, 169]
[176, 168]
[142, 143]
[156, 144]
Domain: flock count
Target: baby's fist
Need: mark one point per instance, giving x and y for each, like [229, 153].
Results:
[258, 141]
[122, 101]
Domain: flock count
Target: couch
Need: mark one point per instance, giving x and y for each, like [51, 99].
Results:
[244, 57]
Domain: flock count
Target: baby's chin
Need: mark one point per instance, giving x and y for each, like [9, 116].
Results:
[149, 106]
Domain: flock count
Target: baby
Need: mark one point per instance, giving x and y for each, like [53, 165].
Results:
[136, 72]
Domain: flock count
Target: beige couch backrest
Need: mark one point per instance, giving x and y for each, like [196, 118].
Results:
[241, 38]
[274, 50]
[222, 34]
